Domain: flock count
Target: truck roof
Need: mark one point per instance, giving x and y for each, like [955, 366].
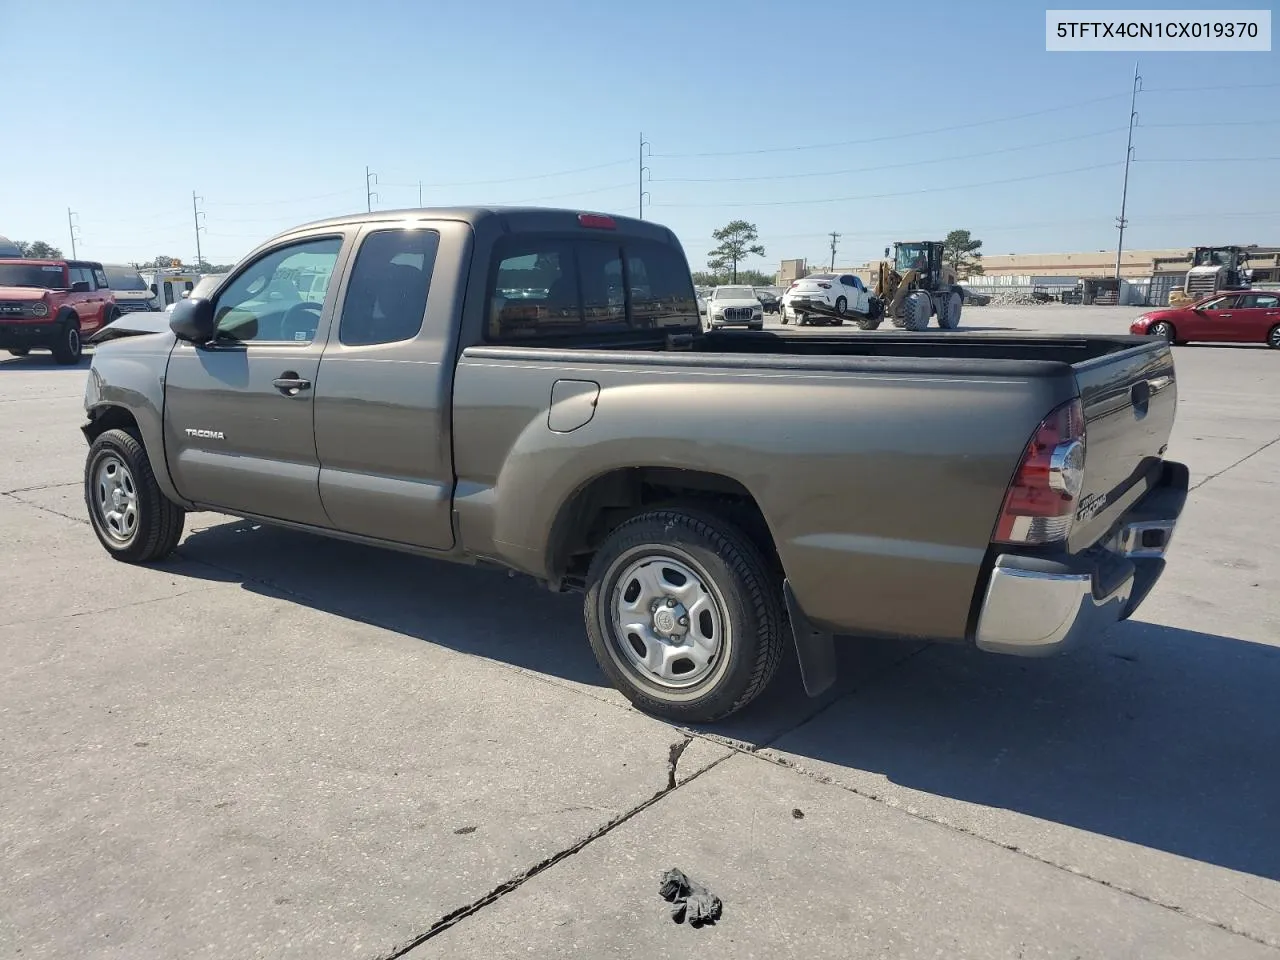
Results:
[510, 218]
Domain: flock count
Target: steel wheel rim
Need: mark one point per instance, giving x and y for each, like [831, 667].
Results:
[115, 498]
[674, 646]
[73, 339]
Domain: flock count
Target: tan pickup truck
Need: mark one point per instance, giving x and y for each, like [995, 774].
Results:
[534, 389]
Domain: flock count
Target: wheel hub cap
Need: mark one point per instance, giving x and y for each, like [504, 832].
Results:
[116, 499]
[668, 622]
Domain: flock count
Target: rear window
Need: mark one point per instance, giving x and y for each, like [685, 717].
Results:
[549, 286]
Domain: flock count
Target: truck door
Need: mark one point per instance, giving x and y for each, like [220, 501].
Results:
[238, 413]
[385, 385]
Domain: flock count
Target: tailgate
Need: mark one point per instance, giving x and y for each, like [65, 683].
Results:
[1129, 399]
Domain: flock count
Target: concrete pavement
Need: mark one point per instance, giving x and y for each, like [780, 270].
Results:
[277, 746]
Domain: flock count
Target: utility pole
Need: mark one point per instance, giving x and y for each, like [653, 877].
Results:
[419, 193]
[71, 226]
[834, 237]
[196, 215]
[1121, 222]
[644, 145]
[369, 179]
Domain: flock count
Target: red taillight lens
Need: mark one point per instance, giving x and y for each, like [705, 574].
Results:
[597, 221]
[1041, 501]
[825, 286]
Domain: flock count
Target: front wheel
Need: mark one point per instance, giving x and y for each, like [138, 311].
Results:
[684, 615]
[1162, 330]
[130, 514]
[67, 349]
[867, 323]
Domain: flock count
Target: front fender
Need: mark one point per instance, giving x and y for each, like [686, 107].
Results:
[128, 375]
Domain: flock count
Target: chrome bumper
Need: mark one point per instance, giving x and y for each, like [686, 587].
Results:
[1036, 608]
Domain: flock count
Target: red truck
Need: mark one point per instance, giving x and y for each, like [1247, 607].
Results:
[53, 304]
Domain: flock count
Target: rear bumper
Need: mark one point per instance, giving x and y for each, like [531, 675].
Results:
[1035, 606]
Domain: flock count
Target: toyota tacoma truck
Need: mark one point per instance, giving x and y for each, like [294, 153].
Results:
[53, 304]
[533, 390]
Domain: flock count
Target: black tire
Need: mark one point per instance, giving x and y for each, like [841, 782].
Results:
[1163, 329]
[837, 321]
[1273, 337]
[744, 593]
[67, 349]
[867, 323]
[19, 351]
[157, 526]
[841, 306]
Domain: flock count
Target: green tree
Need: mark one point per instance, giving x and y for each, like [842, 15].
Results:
[39, 250]
[24, 247]
[960, 250]
[738, 240]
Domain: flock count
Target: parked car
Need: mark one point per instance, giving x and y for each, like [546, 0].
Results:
[132, 292]
[1246, 316]
[768, 300]
[839, 294]
[735, 307]
[718, 499]
[52, 304]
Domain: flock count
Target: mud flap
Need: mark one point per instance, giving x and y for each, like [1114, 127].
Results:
[815, 650]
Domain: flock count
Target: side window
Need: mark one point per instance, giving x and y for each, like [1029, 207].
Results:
[100, 277]
[661, 288]
[387, 293]
[81, 275]
[1259, 301]
[264, 302]
[848, 281]
[535, 291]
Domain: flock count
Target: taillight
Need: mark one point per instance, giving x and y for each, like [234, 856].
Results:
[1041, 501]
[597, 221]
[825, 286]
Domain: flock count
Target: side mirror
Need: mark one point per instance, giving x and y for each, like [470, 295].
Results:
[80, 286]
[192, 320]
[155, 291]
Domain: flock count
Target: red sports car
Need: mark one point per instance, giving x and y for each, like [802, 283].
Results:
[1245, 316]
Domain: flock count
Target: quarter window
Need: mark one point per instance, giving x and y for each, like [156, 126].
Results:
[265, 301]
[387, 294]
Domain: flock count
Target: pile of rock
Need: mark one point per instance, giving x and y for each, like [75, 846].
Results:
[1015, 298]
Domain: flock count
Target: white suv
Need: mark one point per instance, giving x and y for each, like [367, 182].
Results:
[735, 306]
[841, 294]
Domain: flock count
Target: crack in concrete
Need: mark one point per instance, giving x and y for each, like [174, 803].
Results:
[1248, 456]
[94, 613]
[673, 759]
[43, 486]
[56, 513]
[507, 886]
[1013, 848]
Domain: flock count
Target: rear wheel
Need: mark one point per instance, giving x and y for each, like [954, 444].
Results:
[841, 306]
[68, 349]
[683, 615]
[1273, 338]
[949, 315]
[130, 514]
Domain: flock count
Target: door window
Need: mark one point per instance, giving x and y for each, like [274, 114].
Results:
[1259, 301]
[387, 294]
[100, 278]
[661, 289]
[265, 301]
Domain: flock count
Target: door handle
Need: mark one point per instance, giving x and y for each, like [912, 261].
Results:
[290, 384]
[1224, 316]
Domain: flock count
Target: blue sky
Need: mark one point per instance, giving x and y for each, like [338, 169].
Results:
[271, 111]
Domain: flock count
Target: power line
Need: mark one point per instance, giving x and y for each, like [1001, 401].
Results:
[1225, 86]
[576, 193]
[271, 203]
[889, 166]
[904, 193]
[536, 176]
[895, 136]
[1204, 159]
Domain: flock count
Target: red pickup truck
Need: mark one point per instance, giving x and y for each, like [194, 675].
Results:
[53, 304]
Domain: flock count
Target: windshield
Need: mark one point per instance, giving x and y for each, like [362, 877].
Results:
[48, 276]
[205, 285]
[735, 293]
[125, 278]
[912, 256]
